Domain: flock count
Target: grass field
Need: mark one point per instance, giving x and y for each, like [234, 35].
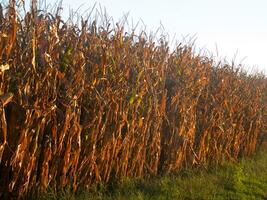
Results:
[244, 180]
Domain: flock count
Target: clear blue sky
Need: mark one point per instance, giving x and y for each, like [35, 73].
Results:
[234, 26]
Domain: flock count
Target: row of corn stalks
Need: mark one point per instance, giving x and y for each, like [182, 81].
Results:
[86, 103]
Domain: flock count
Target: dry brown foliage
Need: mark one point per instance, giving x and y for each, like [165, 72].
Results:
[87, 104]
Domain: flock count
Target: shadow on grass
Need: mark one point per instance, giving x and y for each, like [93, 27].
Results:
[244, 180]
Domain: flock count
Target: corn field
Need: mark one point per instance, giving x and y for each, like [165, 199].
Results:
[90, 103]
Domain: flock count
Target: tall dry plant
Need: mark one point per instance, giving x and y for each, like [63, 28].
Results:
[88, 103]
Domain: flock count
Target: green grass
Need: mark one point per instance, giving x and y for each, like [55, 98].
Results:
[244, 180]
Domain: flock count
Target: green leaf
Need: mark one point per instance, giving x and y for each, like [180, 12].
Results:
[132, 98]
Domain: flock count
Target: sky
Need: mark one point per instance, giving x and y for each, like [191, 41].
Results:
[229, 29]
